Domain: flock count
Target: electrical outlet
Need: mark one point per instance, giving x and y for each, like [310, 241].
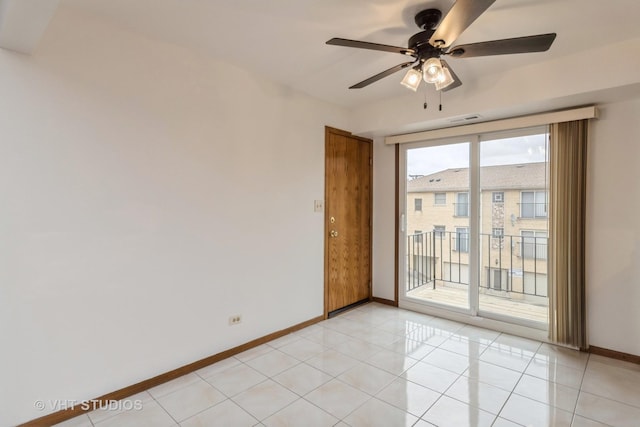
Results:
[235, 320]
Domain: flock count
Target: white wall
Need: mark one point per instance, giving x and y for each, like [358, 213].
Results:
[613, 229]
[383, 219]
[147, 194]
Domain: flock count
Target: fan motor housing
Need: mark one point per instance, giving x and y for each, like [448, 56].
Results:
[420, 43]
[428, 19]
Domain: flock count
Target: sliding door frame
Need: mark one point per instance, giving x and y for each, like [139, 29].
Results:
[472, 314]
[401, 231]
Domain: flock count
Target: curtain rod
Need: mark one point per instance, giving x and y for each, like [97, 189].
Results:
[590, 112]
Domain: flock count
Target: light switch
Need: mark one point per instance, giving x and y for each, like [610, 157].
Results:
[318, 205]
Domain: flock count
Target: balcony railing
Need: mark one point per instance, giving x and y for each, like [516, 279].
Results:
[512, 264]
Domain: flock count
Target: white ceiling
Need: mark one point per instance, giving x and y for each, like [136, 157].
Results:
[285, 39]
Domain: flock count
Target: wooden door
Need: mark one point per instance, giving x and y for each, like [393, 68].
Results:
[348, 207]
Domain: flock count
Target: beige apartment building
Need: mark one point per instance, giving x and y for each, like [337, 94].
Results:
[513, 235]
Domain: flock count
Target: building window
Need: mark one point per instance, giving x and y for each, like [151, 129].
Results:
[417, 203]
[438, 231]
[533, 204]
[534, 244]
[498, 232]
[462, 239]
[417, 237]
[440, 199]
[462, 204]
[498, 196]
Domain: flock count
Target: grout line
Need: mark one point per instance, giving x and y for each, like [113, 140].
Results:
[517, 382]
[584, 372]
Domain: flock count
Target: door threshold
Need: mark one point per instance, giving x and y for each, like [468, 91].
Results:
[483, 322]
[346, 308]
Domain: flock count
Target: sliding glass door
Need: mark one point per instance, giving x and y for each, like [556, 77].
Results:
[513, 226]
[437, 224]
[473, 232]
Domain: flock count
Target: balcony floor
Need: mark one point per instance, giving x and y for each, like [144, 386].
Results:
[490, 303]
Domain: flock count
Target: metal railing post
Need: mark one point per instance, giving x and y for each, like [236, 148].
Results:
[433, 256]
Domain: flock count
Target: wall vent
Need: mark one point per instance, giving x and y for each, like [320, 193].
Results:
[465, 118]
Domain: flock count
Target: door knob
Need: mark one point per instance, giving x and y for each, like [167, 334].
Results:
[334, 233]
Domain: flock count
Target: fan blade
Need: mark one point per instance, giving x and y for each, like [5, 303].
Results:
[381, 75]
[456, 81]
[372, 46]
[461, 15]
[539, 43]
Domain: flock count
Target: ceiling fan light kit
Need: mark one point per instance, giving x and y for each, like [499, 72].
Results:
[432, 70]
[445, 80]
[412, 79]
[434, 41]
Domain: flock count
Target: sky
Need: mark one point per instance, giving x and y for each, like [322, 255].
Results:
[506, 151]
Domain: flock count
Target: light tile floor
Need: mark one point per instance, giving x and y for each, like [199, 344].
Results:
[382, 366]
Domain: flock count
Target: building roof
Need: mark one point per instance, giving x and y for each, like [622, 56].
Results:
[504, 177]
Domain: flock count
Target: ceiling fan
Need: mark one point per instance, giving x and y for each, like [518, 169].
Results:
[427, 46]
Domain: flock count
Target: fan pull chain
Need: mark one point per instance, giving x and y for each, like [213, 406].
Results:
[425, 98]
[440, 92]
